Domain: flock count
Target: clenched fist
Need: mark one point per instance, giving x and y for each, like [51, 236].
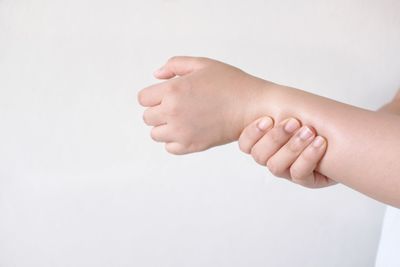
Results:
[202, 103]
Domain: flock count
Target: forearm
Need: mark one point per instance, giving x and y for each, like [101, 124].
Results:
[363, 146]
[211, 103]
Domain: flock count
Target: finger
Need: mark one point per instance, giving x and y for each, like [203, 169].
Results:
[252, 133]
[302, 169]
[154, 116]
[273, 140]
[175, 148]
[322, 180]
[316, 180]
[280, 162]
[162, 133]
[152, 95]
[179, 65]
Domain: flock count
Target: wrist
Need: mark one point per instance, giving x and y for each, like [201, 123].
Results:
[261, 102]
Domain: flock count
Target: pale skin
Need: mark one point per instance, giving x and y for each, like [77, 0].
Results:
[287, 149]
[294, 151]
[209, 103]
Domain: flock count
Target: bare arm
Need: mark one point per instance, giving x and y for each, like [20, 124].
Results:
[209, 103]
[364, 146]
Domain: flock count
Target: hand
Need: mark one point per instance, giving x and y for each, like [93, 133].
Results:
[207, 105]
[288, 150]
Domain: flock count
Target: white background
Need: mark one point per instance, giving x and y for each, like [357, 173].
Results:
[82, 183]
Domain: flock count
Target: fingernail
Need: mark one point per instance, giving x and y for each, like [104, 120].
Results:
[291, 125]
[318, 142]
[305, 133]
[264, 123]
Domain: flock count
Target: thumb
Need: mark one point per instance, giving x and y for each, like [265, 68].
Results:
[179, 66]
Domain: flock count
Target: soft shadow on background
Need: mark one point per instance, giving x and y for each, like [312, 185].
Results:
[82, 183]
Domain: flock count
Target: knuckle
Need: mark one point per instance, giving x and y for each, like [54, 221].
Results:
[145, 118]
[171, 106]
[172, 150]
[175, 149]
[309, 155]
[174, 110]
[243, 147]
[295, 174]
[176, 88]
[154, 135]
[140, 97]
[244, 144]
[252, 132]
[258, 157]
[274, 168]
[293, 147]
[171, 88]
[275, 136]
[299, 176]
